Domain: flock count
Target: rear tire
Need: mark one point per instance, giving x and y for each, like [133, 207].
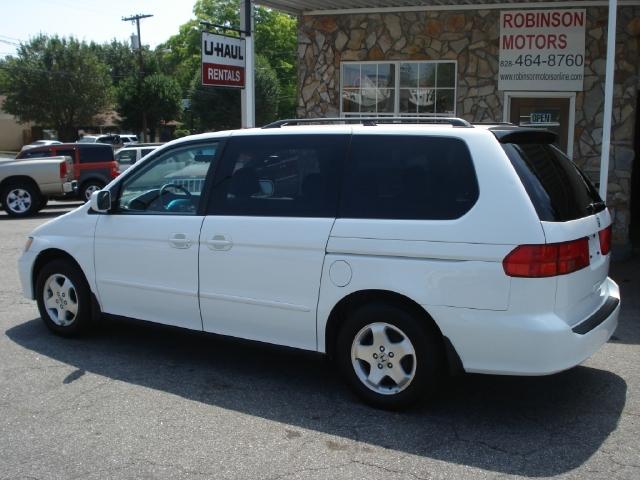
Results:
[389, 356]
[20, 199]
[64, 298]
[88, 188]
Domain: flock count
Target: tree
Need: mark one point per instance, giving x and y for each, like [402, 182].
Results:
[180, 55]
[159, 97]
[118, 57]
[3, 75]
[122, 61]
[57, 83]
[275, 40]
[219, 108]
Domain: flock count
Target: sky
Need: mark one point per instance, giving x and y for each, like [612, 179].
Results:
[97, 21]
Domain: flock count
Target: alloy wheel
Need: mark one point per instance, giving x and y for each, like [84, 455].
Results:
[89, 191]
[60, 299]
[383, 358]
[19, 200]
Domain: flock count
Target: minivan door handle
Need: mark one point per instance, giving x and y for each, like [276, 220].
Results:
[179, 240]
[220, 243]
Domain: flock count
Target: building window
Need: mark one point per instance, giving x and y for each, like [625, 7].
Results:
[413, 88]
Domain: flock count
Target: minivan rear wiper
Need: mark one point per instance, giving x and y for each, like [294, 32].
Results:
[596, 206]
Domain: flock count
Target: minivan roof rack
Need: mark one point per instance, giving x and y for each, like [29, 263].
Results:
[370, 121]
[494, 123]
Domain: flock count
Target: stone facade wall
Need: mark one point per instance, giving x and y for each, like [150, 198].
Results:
[590, 108]
[472, 39]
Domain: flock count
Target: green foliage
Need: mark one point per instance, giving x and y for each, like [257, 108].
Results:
[267, 92]
[219, 108]
[3, 75]
[124, 62]
[275, 41]
[181, 132]
[159, 96]
[118, 57]
[180, 55]
[56, 82]
[63, 83]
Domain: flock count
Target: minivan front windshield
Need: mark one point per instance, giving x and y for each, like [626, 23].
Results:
[558, 189]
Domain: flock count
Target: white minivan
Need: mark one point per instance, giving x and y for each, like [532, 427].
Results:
[401, 250]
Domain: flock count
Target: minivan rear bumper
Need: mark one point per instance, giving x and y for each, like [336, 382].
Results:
[506, 344]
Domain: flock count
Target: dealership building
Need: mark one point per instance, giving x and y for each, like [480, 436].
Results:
[538, 64]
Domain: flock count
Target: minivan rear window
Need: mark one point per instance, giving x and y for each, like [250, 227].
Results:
[408, 177]
[96, 154]
[558, 189]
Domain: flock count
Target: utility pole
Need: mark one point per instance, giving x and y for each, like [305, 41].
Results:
[247, 96]
[137, 18]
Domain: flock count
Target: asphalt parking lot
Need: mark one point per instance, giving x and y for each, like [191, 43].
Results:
[142, 401]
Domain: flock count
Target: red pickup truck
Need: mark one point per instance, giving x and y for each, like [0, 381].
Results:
[94, 164]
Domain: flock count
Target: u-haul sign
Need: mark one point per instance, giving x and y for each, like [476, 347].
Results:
[222, 60]
[542, 50]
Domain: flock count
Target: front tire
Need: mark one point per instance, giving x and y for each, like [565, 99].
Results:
[64, 298]
[21, 199]
[390, 357]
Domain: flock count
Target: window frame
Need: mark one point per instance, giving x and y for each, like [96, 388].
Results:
[94, 151]
[350, 167]
[216, 198]
[396, 89]
[43, 152]
[141, 166]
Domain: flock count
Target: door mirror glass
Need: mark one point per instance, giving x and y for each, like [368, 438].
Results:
[100, 201]
[267, 187]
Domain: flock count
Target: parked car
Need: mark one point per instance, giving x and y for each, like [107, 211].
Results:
[128, 138]
[94, 164]
[40, 143]
[127, 156]
[114, 140]
[25, 185]
[402, 251]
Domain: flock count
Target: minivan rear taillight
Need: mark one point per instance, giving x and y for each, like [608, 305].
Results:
[536, 261]
[63, 169]
[605, 240]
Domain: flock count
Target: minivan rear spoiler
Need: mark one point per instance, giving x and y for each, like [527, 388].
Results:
[506, 134]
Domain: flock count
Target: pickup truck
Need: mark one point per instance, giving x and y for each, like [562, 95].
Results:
[25, 185]
[94, 163]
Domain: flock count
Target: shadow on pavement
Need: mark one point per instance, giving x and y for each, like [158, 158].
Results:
[535, 426]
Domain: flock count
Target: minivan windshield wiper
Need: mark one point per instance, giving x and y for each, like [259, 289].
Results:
[595, 207]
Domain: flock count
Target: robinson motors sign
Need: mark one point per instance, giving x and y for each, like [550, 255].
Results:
[542, 50]
[222, 60]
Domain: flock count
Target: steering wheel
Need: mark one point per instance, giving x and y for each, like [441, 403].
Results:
[166, 187]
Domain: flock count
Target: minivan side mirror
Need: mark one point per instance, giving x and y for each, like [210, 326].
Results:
[100, 201]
